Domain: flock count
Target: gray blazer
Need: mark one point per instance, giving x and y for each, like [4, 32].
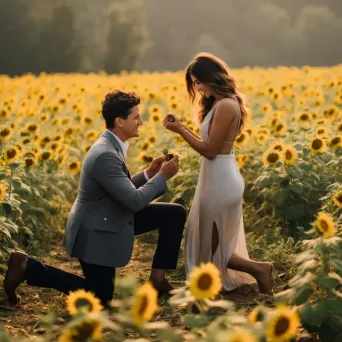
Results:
[100, 226]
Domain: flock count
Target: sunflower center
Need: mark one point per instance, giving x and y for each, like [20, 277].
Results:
[241, 138]
[288, 155]
[82, 302]
[46, 155]
[281, 326]
[320, 131]
[29, 162]
[317, 144]
[32, 128]
[339, 198]
[279, 127]
[273, 157]
[5, 132]
[73, 166]
[324, 225]
[143, 305]
[204, 282]
[278, 147]
[84, 331]
[304, 117]
[11, 153]
[335, 141]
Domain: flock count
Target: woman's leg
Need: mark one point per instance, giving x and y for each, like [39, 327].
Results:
[261, 271]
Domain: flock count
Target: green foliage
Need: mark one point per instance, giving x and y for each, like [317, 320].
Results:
[292, 193]
[316, 288]
[16, 44]
[127, 38]
[35, 207]
[59, 44]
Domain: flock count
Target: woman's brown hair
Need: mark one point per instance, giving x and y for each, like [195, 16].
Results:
[213, 72]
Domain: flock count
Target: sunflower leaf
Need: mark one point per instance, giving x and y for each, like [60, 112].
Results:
[196, 321]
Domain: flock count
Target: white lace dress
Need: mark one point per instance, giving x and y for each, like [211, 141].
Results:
[218, 198]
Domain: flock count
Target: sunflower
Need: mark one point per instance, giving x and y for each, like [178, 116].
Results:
[82, 301]
[257, 315]
[317, 145]
[290, 155]
[45, 156]
[325, 224]
[338, 198]
[54, 146]
[240, 335]
[3, 192]
[69, 131]
[321, 122]
[5, 133]
[31, 127]
[86, 149]
[4, 114]
[82, 330]
[11, 154]
[45, 140]
[60, 159]
[156, 118]
[205, 281]
[271, 158]
[242, 159]
[283, 325]
[173, 106]
[155, 109]
[144, 304]
[152, 139]
[74, 167]
[321, 131]
[303, 118]
[339, 127]
[274, 121]
[87, 120]
[267, 108]
[261, 138]
[278, 146]
[335, 142]
[91, 134]
[241, 139]
[143, 156]
[145, 146]
[29, 159]
[43, 118]
[280, 129]
[330, 113]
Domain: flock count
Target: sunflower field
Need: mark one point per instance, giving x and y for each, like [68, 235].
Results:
[290, 155]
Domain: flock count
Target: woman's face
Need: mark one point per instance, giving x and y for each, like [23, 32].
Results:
[201, 87]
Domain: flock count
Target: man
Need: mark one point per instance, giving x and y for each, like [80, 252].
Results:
[111, 207]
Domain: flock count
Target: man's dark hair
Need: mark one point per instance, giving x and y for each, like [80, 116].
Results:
[118, 104]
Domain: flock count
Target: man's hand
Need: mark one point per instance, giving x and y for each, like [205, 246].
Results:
[155, 166]
[170, 168]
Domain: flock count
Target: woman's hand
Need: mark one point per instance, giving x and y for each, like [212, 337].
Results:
[172, 123]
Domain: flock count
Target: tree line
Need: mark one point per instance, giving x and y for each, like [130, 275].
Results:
[114, 35]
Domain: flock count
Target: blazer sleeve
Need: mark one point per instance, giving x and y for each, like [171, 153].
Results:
[109, 174]
[139, 179]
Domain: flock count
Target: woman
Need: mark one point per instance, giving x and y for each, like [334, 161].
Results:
[215, 230]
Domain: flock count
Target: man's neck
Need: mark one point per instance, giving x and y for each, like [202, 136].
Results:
[118, 134]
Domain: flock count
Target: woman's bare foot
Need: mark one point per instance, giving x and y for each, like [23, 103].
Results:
[264, 278]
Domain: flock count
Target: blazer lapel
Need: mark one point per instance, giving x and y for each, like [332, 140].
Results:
[116, 145]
